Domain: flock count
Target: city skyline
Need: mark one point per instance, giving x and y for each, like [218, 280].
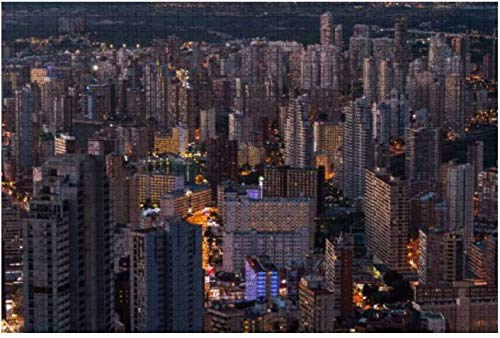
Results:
[249, 167]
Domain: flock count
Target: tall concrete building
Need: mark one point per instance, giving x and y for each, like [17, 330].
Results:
[400, 116]
[328, 137]
[386, 210]
[316, 306]
[338, 271]
[329, 68]
[385, 80]
[359, 49]
[400, 36]
[166, 278]
[459, 197]
[158, 96]
[422, 159]
[441, 260]
[370, 80]
[207, 124]
[68, 263]
[223, 318]
[475, 157]
[27, 103]
[491, 253]
[250, 63]
[118, 189]
[437, 103]
[381, 123]
[148, 188]
[298, 134]
[488, 197]
[430, 258]
[310, 67]
[428, 210]
[222, 160]
[439, 51]
[175, 141]
[483, 259]
[453, 257]
[454, 119]
[287, 182]
[185, 202]
[461, 48]
[327, 35]
[99, 101]
[11, 233]
[276, 61]
[466, 307]
[281, 228]
[51, 217]
[328, 140]
[361, 30]
[338, 32]
[236, 126]
[357, 148]
[383, 49]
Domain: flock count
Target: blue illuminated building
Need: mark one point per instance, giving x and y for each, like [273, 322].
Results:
[261, 277]
[253, 194]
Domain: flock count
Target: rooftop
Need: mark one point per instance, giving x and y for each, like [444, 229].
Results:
[261, 263]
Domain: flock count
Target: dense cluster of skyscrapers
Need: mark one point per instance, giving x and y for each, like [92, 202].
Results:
[187, 186]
